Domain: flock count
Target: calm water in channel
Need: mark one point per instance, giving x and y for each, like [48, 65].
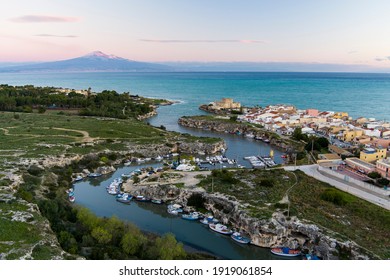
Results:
[154, 218]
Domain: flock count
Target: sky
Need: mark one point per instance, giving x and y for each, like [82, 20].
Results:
[331, 31]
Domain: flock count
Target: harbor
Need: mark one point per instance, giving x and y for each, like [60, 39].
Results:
[154, 218]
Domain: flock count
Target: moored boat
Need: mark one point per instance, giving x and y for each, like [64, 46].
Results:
[236, 236]
[157, 201]
[142, 198]
[311, 257]
[94, 175]
[72, 198]
[174, 209]
[285, 252]
[191, 217]
[78, 179]
[124, 198]
[220, 228]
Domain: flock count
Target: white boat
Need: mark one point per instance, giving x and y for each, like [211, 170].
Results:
[174, 209]
[285, 252]
[158, 158]
[94, 175]
[220, 228]
[72, 198]
[236, 236]
[191, 217]
[124, 198]
[78, 179]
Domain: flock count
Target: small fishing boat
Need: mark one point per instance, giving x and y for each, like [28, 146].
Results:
[124, 198]
[78, 179]
[68, 191]
[72, 198]
[236, 236]
[285, 252]
[142, 198]
[157, 201]
[174, 209]
[94, 175]
[311, 257]
[191, 217]
[220, 228]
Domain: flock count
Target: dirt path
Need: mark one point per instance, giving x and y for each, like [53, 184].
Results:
[86, 137]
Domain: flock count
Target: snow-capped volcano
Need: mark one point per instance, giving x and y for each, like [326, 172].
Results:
[96, 61]
[99, 54]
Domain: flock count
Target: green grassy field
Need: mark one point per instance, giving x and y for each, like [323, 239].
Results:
[39, 135]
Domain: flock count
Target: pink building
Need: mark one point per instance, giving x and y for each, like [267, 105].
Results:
[383, 168]
[312, 112]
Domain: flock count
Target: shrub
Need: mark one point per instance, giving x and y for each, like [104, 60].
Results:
[374, 175]
[334, 196]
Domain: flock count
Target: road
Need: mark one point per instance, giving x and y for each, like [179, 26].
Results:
[371, 196]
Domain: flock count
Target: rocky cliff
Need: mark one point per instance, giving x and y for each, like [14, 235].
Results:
[276, 231]
[223, 125]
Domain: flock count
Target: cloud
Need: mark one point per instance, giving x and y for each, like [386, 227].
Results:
[204, 41]
[57, 36]
[382, 58]
[352, 52]
[41, 18]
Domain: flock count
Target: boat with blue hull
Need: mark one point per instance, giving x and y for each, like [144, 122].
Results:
[124, 198]
[236, 236]
[191, 217]
[285, 252]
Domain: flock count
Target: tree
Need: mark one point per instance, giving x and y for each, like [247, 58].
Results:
[133, 241]
[87, 218]
[383, 181]
[167, 248]
[101, 235]
[374, 175]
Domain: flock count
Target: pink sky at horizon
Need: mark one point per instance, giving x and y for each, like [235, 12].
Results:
[341, 32]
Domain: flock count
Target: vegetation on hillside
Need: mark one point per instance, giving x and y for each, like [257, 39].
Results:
[107, 103]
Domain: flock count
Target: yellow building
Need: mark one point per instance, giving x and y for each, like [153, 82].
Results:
[350, 135]
[340, 115]
[372, 155]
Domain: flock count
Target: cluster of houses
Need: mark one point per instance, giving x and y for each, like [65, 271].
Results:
[344, 133]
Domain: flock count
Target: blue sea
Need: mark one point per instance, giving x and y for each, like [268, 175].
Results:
[358, 94]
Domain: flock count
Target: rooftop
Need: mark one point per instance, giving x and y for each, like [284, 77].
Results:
[360, 162]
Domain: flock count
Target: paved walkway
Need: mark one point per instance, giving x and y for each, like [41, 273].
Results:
[366, 194]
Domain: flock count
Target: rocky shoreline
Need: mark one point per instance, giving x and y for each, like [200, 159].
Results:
[276, 231]
[224, 126]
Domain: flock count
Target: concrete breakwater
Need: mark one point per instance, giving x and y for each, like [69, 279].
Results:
[278, 230]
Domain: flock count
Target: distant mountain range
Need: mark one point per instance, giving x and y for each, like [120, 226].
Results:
[100, 62]
[93, 62]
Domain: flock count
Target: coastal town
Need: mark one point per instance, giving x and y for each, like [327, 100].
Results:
[362, 144]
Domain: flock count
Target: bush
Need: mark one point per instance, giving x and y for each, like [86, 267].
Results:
[334, 196]
[267, 183]
[383, 181]
[374, 175]
[41, 110]
[35, 170]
